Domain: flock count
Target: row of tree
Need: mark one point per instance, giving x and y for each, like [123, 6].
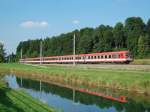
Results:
[9, 58]
[2, 53]
[133, 35]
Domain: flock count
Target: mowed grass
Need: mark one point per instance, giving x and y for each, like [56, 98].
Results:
[124, 79]
[18, 101]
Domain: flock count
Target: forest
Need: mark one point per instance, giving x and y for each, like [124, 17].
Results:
[132, 35]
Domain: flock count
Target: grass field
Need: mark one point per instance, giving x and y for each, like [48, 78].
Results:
[130, 80]
[18, 101]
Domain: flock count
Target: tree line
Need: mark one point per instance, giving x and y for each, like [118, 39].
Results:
[2, 53]
[132, 35]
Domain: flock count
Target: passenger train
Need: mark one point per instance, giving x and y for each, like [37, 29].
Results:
[104, 57]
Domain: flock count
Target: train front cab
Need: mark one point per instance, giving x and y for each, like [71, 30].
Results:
[128, 57]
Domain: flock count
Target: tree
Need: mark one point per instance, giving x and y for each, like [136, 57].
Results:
[2, 53]
[118, 34]
[148, 27]
[134, 27]
[98, 44]
[108, 40]
[148, 30]
[85, 42]
[143, 47]
[11, 58]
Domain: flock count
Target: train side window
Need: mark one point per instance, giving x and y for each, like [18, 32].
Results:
[102, 57]
[127, 55]
[109, 56]
[84, 57]
[115, 56]
[95, 57]
[105, 56]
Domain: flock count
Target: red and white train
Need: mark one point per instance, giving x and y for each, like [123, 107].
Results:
[105, 57]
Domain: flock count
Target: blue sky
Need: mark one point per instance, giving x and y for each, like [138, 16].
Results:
[30, 19]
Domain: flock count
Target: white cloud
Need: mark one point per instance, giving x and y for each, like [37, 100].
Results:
[75, 21]
[34, 24]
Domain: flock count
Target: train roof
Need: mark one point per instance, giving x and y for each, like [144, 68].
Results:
[90, 54]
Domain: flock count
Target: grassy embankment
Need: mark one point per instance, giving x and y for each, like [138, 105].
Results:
[137, 81]
[12, 100]
[141, 61]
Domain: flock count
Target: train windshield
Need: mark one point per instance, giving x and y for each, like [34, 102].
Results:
[128, 55]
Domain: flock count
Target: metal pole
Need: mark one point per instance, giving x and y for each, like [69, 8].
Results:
[40, 85]
[21, 56]
[21, 53]
[21, 81]
[74, 49]
[73, 95]
[41, 52]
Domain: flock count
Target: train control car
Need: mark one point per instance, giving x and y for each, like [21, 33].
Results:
[105, 57]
